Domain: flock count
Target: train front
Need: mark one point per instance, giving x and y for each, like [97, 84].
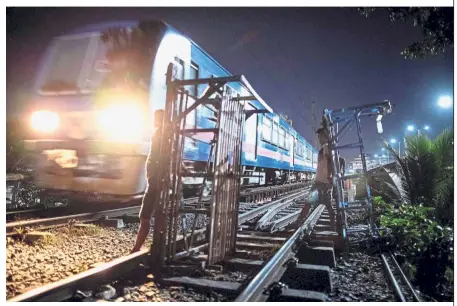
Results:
[91, 116]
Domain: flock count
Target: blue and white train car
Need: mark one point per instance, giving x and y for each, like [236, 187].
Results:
[88, 137]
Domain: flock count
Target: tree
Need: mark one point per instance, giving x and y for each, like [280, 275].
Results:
[437, 25]
[427, 173]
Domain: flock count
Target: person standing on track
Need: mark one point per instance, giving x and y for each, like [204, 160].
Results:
[323, 180]
[150, 199]
[149, 202]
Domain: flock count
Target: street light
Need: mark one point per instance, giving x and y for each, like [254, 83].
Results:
[445, 102]
[426, 128]
[410, 128]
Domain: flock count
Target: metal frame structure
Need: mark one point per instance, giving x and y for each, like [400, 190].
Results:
[350, 117]
[223, 166]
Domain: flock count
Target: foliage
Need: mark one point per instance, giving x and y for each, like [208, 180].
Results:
[437, 25]
[426, 245]
[380, 207]
[427, 173]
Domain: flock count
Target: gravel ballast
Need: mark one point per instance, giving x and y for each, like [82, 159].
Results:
[67, 253]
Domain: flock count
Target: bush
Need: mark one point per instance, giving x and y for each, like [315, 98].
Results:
[426, 246]
[427, 173]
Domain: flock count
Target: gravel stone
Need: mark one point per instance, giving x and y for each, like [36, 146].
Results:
[43, 263]
[353, 284]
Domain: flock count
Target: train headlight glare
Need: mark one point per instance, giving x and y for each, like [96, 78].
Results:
[45, 121]
[122, 123]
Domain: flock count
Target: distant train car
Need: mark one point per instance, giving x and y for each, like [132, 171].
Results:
[91, 136]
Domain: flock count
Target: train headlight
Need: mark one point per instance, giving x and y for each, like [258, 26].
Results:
[122, 123]
[45, 121]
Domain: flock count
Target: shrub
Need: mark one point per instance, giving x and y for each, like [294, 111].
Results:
[427, 246]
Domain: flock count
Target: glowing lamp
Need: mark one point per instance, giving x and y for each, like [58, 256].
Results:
[445, 102]
[45, 121]
[122, 122]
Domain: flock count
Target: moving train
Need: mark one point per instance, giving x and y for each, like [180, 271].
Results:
[92, 113]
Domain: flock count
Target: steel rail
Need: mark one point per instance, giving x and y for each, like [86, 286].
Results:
[272, 272]
[93, 216]
[405, 279]
[250, 214]
[85, 217]
[65, 288]
[392, 280]
[266, 218]
[284, 221]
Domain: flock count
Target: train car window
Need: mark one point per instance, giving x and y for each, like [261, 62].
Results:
[308, 153]
[282, 137]
[300, 148]
[274, 138]
[266, 128]
[193, 75]
[65, 69]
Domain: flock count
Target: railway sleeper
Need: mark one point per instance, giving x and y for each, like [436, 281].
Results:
[302, 276]
[319, 255]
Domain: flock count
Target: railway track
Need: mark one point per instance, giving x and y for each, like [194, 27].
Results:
[401, 286]
[249, 210]
[268, 272]
[271, 263]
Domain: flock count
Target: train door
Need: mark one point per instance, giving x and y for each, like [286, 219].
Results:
[250, 136]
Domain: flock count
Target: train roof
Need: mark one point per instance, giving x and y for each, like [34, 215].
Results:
[98, 27]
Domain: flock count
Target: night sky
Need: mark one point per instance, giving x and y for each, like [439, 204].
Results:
[291, 56]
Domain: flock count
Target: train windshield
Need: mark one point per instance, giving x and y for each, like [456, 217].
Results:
[116, 57]
[76, 63]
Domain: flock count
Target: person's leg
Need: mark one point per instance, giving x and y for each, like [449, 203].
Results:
[147, 209]
[145, 226]
[327, 190]
[304, 212]
[325, 197]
